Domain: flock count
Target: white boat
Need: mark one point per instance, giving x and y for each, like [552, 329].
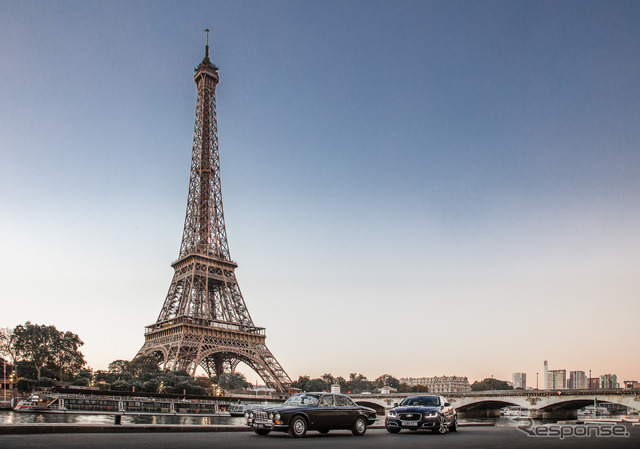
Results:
[514, 411]
[34, 403]
[240, 409]
[96, 402]
[591, 411]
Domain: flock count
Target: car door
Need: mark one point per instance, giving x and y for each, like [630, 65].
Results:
[346, 411]
[324, 415]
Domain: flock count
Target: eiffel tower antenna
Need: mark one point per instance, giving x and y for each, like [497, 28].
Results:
[206, 49]
[204, 320]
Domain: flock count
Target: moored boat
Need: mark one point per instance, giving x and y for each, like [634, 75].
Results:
[98, 403]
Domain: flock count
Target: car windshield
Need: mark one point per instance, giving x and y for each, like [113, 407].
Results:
[421, 401]
[303, 399]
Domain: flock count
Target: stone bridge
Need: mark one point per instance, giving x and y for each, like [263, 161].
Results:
[550, 404]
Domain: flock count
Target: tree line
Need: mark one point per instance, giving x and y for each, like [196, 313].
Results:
[357, 383]
[43, 355]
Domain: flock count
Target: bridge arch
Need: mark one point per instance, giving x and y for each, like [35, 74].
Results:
[486, 405]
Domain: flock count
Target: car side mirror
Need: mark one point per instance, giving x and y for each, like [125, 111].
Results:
[447, 404]
[395, 404]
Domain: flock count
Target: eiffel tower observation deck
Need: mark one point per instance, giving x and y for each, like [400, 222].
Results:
[204, 320]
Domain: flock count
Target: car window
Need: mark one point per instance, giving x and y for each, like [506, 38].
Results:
[343, 401]
[421, 401]
[302, 400]
[326, 401]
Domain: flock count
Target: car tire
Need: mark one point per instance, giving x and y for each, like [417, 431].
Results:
[442, 427]
[297, 427]
[393, 429]
[262, 431]
[454, 425]
[359, 426]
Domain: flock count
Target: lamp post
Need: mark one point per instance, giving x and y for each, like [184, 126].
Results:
[537, 381]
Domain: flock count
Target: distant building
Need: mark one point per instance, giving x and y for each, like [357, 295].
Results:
[440, 384]
[556, 379]
[593, 383]
[631, 385]
[609, 381]
[519, 380]
[545, 375]
[577, 380]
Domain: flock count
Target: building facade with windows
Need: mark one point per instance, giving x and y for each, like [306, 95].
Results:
[609, 381]
[440, 384]
[519, 380]
[577, 380]
[556, 379]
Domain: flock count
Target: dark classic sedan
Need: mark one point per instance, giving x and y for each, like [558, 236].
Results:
[312, 411]
[422, 412]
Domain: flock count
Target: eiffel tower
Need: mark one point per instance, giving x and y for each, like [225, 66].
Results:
[204, 320]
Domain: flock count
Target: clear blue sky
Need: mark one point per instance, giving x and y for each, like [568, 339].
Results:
[416, 188]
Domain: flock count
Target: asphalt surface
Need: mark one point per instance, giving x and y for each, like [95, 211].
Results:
[472, 437]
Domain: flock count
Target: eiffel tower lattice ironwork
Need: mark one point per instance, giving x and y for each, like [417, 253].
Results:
[204, 320]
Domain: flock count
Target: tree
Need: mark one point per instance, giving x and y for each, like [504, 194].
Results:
[83, 378]
[119, 366]
[232, 381]
[387, 379]
[301, 383]
[490, 384]
[143, 364]
[358, 383]
[31, 342]
[317, 385]
[66, 357]
[47, 346]
[329, 379]
[7, 337]
[204, 382]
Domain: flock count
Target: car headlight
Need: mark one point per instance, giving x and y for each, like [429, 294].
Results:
[251, 415]
[246, 415]
[392, 413]
[276, 416]
[430, 414]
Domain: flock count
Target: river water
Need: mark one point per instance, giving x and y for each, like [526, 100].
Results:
[10, 417]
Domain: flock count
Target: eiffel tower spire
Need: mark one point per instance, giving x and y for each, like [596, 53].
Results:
[204, 320]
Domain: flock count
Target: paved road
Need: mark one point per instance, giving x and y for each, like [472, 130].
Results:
[472, 437]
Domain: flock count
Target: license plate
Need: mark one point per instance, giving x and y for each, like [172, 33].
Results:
[409, 423]
[259, 426]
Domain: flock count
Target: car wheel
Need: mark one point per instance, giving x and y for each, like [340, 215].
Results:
[323, 431]
[262, 431]
[393, 429]
[442, 426]
[297, 427]
[359, 426]
[454, 425]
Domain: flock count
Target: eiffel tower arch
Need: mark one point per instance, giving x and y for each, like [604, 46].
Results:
[204, 320]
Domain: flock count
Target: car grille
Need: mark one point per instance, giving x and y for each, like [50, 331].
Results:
[260, 416]
[410, 416]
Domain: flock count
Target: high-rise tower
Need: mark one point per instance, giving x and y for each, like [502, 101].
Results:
[204, 320]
